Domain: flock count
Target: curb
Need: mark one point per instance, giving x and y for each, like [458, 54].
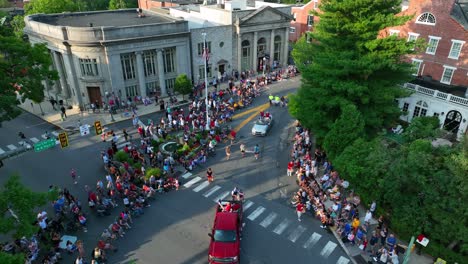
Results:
[343, 246]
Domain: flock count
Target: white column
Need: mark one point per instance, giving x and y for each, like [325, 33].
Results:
[73, 83]
[272, 46]
[116, 80]
[255, 51]
[62, 79]
[285, 48]
[239, 52]
[162, 83]
[141, 73]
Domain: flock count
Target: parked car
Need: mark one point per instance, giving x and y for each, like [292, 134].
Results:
[262, 126]
[226, 233]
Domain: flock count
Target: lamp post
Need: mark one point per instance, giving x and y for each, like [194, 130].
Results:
[205, 57]
[264, 66]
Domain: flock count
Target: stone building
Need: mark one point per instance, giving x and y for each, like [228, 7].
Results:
[241, 35]
[121, 53]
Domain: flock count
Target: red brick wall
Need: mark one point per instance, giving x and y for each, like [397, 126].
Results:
[447, 29]
[148, 4]
[301, 14]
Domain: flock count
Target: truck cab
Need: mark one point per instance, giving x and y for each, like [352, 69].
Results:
[226, 233]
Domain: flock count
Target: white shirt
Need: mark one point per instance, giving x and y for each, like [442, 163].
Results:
[368, 216]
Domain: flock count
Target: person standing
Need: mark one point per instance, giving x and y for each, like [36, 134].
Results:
[209, 175]
[74, 177]
[125, 134]
[228, 152]
[53, 102]
[63, 112]
[300, 209]
[256, 151]
[242, 149]
[290, 168]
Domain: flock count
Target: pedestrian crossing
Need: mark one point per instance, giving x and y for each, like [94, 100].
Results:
[29, 142]
[284, 227]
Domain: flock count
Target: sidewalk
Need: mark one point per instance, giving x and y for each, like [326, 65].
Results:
[363, 257]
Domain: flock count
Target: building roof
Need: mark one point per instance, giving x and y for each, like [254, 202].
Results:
[115, 18]
[460, 12]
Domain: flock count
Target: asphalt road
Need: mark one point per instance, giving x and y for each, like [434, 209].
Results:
[174, 229]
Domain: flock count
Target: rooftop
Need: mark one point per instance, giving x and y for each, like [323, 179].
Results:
[116, 18]
[460, 12]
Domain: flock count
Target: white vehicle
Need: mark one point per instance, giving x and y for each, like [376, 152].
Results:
[262, 126]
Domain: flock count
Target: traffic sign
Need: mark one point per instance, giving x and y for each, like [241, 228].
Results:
[98, 127]
[84, 130]
[44, 144]
[63, 138]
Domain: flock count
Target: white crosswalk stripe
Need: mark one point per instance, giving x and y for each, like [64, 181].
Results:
[192, 182]
[328, 249]
[202, 186]
[44, 136]
[296, 233]
[34, 140]
[12, 147]
[186, 175]
[256, 213]
[1, 151]
[221, 196]
[55, 133]
[279, 229]
[313, 239]
[211, 191]
[247, 205]
[342, 260]
[269, 219]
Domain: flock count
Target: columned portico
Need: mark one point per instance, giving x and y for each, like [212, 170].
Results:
[239, 51]
[272, 46]
[141, 73]
[62, 88]
[254, 57]
[161, 78]
[286, 47]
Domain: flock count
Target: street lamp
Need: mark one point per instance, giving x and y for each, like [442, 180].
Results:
[264, 65]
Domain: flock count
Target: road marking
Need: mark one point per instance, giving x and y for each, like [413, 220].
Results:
[268, 220]
[211, 191]
[247, 205]
[296, 233]
[34, 140]
[279, 229]
[44, 136]
[186, 175]
[313, 239]
[342, 260]
[202, 186]
[1, 151]
[55, 133]
[11, 147]
[328, 249]
[256, 213]
[192, 182]
[254, 115]
[122, 145]
[250, 111]
[221, 196]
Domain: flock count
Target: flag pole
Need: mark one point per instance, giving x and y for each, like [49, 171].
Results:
[205, 52]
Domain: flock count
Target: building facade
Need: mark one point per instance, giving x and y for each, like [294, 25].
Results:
[105, 54]
[441, 68]
[241, 36]
[303, 19]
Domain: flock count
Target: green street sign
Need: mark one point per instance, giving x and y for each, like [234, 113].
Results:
[44, 144]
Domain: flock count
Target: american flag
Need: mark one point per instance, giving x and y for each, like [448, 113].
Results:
[206, 53]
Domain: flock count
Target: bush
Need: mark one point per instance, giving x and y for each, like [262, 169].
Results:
[121, 156]
[153, 171]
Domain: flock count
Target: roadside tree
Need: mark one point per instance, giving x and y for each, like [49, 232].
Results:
[183, 85]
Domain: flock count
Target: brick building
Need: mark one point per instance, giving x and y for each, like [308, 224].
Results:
[303, 20]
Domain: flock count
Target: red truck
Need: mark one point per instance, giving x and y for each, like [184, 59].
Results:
[226, 233]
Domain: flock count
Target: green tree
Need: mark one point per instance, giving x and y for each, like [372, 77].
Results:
[4, 3]
[344, 131]
[50, 6]
[122, 4]
[422, 128]
[23, 68]
[183, 85]
[6, 258]
[349, 64]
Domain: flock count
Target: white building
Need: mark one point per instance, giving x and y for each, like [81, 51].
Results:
[122, 52]
[241, 35]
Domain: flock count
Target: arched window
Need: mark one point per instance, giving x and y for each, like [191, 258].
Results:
[426, 19]
[277, 48]
[420, 109]
[261, 46]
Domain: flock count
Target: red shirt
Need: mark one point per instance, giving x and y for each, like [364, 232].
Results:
[235, 207]
[290, 165]
[299, 207]
[228, 208]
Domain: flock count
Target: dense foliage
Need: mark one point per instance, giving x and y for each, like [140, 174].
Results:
[348, 64]
[183, 85]
[122, 4]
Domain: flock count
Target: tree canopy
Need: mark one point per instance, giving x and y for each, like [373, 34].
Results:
[347, 63]
[50, 6]
[122, 4]
[183, 85]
